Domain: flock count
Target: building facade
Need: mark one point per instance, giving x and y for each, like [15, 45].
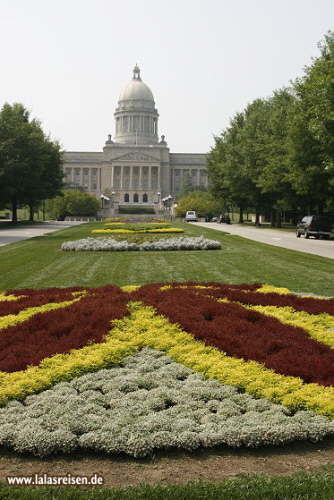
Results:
[136, 167]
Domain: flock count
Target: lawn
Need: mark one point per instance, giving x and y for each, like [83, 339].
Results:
[39, 263]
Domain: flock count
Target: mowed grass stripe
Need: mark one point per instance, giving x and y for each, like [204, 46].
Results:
[39, 263]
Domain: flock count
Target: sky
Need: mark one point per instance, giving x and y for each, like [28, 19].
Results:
[204, 60]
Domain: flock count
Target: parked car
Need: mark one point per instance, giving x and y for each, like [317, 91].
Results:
[214, 219]
[224, 219]
[318, 226]
[191, 216]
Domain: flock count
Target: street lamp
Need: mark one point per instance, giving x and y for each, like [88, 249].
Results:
[104, 201]
[169, 198]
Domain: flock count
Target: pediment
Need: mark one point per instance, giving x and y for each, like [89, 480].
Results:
[136, 156]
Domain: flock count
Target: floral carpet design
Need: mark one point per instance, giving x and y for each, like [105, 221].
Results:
[160, 366]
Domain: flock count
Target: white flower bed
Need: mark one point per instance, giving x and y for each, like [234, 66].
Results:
[149, 403]
[111, 245]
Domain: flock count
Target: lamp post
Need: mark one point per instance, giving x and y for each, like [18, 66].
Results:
[104, 201]
[169, 198]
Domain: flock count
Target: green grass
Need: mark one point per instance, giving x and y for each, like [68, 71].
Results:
[39, 263]
[317, 485]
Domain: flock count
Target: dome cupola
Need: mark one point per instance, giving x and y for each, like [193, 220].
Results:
[136, 116]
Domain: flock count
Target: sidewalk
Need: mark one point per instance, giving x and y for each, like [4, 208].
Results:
[19, 233]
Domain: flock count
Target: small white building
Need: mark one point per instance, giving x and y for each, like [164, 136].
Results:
[136, 167]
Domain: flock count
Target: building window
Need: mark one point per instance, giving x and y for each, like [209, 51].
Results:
[126, 198]
[135, 198]
[145, 198]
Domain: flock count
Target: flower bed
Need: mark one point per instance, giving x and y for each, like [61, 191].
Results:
[112, 245]
[136, 226]
[147, 230]
[166, 365]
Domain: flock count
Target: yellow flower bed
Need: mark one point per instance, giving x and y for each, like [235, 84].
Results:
[319, 326]
[4, 298]
[127, 231]
[15, 319]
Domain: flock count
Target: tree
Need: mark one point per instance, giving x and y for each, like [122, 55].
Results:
[204, 204]
[227, 168]
[316, 91]
[30, 163]
[186, 186]
[73, 202]
[312, 131]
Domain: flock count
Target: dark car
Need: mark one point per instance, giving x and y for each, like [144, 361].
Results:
[318, 226]
[224, 219]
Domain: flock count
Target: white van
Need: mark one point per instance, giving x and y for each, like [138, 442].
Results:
[191, 216]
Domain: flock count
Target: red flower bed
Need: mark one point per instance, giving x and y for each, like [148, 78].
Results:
[35, 298]
[230, 327]
[243, 333]
[249, 296]
[61, 330]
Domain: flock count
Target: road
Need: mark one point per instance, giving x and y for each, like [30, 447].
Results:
[14, 234]
[285, 239]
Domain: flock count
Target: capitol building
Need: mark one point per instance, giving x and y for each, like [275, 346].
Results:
[136, 166]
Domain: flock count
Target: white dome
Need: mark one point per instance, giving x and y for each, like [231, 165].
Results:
[136, 90]
[136, 116]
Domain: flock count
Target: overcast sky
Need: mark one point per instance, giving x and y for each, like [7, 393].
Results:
[204, 60]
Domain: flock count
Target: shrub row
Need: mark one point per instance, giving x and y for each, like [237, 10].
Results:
[133, 220]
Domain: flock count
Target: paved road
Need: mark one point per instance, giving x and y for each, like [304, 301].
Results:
[14, 234]
[285, 239]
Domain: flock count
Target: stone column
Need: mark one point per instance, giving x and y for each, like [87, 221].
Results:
[131, 178]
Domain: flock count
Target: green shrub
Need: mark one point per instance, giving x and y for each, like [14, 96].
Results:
[135, 210]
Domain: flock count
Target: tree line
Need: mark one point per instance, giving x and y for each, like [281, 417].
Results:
[30, 162]
[277, 155]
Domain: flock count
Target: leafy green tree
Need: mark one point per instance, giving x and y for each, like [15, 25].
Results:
[204, 204]
[186, 187]
[312, 131]
[73, 202]
[227, 167]
[30, 163]
[316, 90]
